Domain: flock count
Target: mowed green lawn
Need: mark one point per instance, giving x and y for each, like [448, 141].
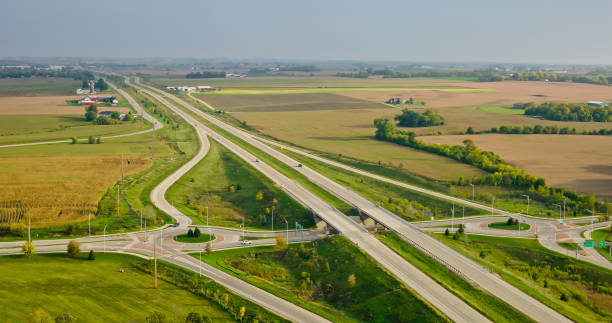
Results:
[38, 86]
[208, 185]
[92, 291]
[499, 109]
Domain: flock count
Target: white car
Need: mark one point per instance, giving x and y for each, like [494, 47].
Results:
[247, 242]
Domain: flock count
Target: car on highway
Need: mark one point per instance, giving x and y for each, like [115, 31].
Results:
[247, 242]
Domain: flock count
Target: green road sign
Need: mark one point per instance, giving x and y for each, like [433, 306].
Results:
[589, 243]
[601, 243]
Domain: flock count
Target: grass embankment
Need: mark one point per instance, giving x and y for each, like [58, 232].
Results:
[233, 189]
[93, 291]
[330, 277]
[279, 166]
[202, 238]
[505, 226]
[405, 203]
[492, 307]
[579, 290]
[170, 148]
[603, 235]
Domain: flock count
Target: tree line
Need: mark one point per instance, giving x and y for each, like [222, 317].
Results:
[540, 129]
[410, 118]
[501, 174]
[205, 75]
[570, 112]
[33, 72]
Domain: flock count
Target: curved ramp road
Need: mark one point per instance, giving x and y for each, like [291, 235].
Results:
[439, 297]
[467, 267]
[156, 124]
[263, 298]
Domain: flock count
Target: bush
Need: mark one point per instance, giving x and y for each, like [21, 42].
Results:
[156, 317]
[564, 297]
[64, 318]
[190, 233]
[74, 140]
[196, 233]
[447, 233]
[28, 249]
[509, 222]
[39, 316]
[280, 241]
[92, 255]
[73, 248]
[98, 140]
[90, 140]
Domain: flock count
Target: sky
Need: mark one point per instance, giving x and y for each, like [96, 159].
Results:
[519, 31]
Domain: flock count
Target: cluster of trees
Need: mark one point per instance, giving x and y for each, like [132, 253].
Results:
[298, 68]
[205, 75]
[501, 173]
[539, 129]
[91, 114]
[570, 112]
[359, 75]
[556, 77]
[410, 118]
[194, 233]
[100, 85]
[34, 72]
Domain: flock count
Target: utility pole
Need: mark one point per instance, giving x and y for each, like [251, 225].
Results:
[155, 261]
[472, 192]
[453, 217]
[121, 168]
[118, 187]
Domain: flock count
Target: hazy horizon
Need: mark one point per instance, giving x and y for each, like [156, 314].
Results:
[547, 32]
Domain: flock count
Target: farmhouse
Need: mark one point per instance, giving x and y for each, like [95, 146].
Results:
[109, 114]
[170, 88]
[203, 88]
[93, 99]
[186, 88]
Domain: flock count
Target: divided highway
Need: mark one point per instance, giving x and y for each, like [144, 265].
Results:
[446, 302]
[467, 267]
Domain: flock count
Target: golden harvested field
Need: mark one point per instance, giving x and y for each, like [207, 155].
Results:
[350, 133]
[581, 163]
[288, 102]
[458, 107]
[59, 189]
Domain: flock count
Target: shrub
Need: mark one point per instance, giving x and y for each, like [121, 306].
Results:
[92, 255]
[156, 317]
[64, 318]
[446, 233]
[74, 140]
[90, 140]
[28, 249]
[98, 140]
[39, 316]
[73, 248]
[564, 297]
[280, 241]
[510, 221]
[482, 254]
[190, 233]
[196, 233]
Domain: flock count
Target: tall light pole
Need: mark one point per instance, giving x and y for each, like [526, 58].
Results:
[105, 239]
[287, 223]
[209, 229]
[453, 217]
[593, 216]
[564, 208]
[472, 191]
[89, 223]
[200, 262]
[272, 218]
[140, 211]
[492, 204]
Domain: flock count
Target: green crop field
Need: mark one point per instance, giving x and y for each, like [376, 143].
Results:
[209, 184]
[93, 291]
[499, 109]
[544, 274]
[16, 129]
[491, 306]
[330, 277]
[38, 86]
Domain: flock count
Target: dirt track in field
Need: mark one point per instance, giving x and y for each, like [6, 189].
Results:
[581, 163]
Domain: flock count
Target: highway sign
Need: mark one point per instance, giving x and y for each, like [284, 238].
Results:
[589, 243]
[601, 243]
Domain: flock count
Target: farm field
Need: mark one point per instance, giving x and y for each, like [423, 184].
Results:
[350, 133]
[279, 83]
[330, 277]
[576, 162]
[544, 274]
[288, 102]
[93, 291]
[38, 86]
[210, 183]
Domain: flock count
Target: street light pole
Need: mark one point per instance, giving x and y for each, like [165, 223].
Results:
[273, 219]
[453, 217]
[287, 223]
[89, 224]
[492, 204]
[559, 205]
[200, 262]
[527, 203]
[105, 239]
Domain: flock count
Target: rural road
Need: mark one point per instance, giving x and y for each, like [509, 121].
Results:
[156, 124]
[466, 267]
[445, 301]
